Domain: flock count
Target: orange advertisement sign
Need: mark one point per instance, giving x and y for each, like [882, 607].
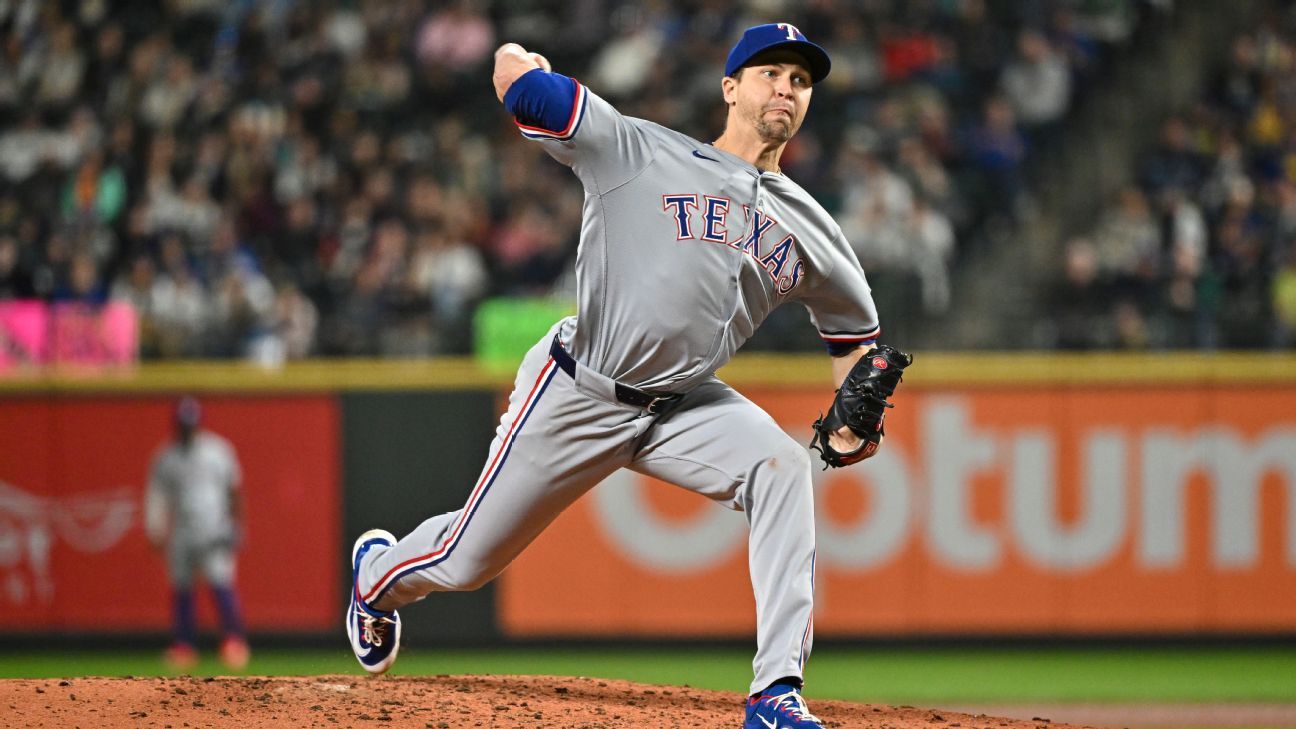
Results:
[1067, 510]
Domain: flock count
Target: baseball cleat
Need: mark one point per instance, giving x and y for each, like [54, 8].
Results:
[180, 657]
[781, 708]
[374, 635]
[234, 653]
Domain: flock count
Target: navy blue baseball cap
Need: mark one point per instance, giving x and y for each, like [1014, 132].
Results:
[761, 38]
[188, 412]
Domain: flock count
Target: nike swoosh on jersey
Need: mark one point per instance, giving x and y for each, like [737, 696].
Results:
[699, 155]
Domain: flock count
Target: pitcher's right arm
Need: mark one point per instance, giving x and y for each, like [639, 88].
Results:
[575, 126]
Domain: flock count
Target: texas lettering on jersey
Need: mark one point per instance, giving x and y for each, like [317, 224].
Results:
[779, 261]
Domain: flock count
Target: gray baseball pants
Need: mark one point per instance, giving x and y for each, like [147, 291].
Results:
[562, 435]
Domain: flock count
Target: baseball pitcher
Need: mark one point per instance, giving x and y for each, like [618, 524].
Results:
[685, 249]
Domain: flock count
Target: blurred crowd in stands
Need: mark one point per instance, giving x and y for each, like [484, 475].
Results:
[281, 179]
[1200, 250]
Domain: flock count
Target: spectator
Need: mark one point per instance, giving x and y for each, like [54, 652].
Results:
[929, 180]
[1079, 303]
[1110, 22]
[996, 152]
[625, 62]
[458, 38]
[1128, 243]
[61, 69]
[1130, 325]
[931, 237]
[292, 326]
[857, 65]
[1184, 240]
[168, 98]
[450, 272]
[105, 78]
[1081, 51]
[95, 193]
[181, 305]
[379, 81]
[356, 325]
[907, 51]
[243, 301]
[982, 45]
[15, 279]
[306, 170]
[1244, 314]
[23, 149]
[190, 210]
[874, 196]
[529, 248]
[1038, 85]
[293, 254]
[135, 286]
[1237, 87]
[82, 283]
[1174, 163]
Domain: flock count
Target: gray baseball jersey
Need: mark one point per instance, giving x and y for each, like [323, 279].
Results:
[684, 250]
[188, 499]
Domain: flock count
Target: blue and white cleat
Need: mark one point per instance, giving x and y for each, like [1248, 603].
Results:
[780, 707]
[375, 635]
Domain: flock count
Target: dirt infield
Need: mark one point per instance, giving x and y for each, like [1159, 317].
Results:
[1155, 715]
[441, 702]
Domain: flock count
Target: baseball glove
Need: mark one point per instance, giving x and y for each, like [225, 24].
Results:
[861, 405]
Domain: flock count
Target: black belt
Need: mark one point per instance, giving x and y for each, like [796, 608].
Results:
[625, 393]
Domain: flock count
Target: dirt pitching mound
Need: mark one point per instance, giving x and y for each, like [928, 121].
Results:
[442, 702]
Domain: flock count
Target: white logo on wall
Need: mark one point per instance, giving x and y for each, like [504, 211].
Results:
[30, 525]
[1133, 485]
[698, 543]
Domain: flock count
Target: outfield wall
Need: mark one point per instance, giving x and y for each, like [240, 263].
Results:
[73, 555]
[1016, 494]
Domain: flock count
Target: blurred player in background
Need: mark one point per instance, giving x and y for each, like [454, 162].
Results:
[193, 511]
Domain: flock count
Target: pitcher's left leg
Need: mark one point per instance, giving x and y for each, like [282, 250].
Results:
[720, 444]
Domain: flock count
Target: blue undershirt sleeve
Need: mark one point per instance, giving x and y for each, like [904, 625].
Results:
[838, 349]
[542, 99]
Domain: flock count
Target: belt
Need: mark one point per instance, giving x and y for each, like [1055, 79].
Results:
[651, 402]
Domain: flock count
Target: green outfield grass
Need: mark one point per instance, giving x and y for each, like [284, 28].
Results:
[877, 675]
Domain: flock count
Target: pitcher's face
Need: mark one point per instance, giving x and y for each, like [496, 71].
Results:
[772, 95]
